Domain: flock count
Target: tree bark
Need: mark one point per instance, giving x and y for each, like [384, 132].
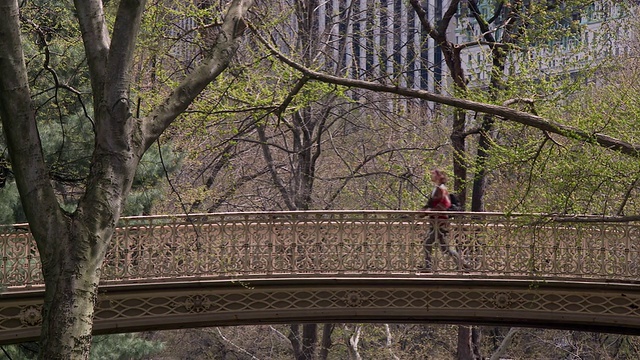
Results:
[294, 338]
[326, 341]
[476, 342]
[309, 339]
[464, 350]
[306, 130]
[71, 289]
[303, 344]
[453, 59]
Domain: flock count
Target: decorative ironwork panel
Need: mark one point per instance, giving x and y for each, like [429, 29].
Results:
[20, 261]
[344, 243]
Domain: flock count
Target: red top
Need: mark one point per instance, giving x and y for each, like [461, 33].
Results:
[439, 198]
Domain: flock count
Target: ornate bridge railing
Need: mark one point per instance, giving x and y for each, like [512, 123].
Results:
[346, 243]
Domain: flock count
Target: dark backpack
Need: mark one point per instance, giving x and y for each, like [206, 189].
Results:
[455, 203]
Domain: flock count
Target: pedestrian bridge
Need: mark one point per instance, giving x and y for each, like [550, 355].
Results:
[165, 272]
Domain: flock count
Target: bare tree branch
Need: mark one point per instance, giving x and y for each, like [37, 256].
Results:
[597, 218]
[389, 342]
[195, 82]
[280, 335]
[240, 349]
[503, 112]
[627, 195]
[504, 344]
[352, 338]
[354, 172]
[272, 169]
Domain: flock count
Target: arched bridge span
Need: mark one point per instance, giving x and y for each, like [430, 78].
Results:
[166, 272]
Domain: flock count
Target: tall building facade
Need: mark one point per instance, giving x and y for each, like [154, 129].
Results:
[383, 40]
[586, 35]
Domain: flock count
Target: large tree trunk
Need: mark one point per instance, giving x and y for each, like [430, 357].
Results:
[327, 330]
[294, 338]
[468, 343]
[71, 287]
[297, 196]
[499, 58]
[72, 246]
[73, 249]
[303, 343]
[459, 155]
[464, 350]
[309, 339]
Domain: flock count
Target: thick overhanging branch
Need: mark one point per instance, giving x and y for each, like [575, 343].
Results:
[213, 65]
[21, 132]
[95, 38]
[125, 31]
[502, 112]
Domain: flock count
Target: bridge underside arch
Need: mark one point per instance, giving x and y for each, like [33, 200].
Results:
[585, 306]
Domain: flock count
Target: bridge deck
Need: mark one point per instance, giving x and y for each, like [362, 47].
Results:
[345, 266]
